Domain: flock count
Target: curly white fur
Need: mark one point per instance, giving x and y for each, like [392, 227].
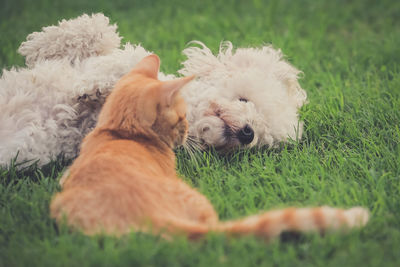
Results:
[251, 87]
[47, 108]
[80, 38]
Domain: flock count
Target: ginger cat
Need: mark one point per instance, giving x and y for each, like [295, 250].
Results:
[125, 180]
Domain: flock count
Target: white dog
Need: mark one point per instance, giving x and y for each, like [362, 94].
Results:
[244, 98]
[248, 97]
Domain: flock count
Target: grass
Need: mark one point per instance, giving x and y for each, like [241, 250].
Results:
[349, 52]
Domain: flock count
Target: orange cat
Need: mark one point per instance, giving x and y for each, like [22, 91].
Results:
[125, 179]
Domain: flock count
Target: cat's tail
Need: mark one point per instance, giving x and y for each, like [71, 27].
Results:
[271, 224]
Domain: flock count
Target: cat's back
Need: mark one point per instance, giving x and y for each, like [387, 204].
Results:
[115, 185]
[120, 161]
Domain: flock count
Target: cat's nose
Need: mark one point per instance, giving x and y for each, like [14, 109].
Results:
[245, 135]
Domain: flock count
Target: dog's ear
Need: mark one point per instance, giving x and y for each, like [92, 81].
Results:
[200, 61]
[148, 66]
[169, 89]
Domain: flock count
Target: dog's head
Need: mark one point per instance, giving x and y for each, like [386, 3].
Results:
[243, 98]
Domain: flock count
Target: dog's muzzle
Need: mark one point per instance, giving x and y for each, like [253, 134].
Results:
[245, 135]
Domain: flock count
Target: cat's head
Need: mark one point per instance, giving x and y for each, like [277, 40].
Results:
[142, 106]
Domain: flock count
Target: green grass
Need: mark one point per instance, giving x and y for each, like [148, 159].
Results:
[349, 52]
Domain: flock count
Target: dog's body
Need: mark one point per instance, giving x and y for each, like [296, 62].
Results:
[47, 108]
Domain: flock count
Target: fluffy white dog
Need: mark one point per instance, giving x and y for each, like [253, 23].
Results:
[244, 98]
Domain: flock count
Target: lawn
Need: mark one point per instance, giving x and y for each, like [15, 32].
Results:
[349, 52]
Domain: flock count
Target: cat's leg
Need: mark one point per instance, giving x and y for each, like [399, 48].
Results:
[189, 203]
[200, 208]
[96, 210]
[117, 209]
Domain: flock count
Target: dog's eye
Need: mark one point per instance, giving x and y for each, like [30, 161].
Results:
[243, 99]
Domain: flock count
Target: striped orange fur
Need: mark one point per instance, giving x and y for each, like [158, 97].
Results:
[125, 180]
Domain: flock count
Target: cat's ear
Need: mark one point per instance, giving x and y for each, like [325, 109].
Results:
[148, 66]
[169, 89]
[147, 108]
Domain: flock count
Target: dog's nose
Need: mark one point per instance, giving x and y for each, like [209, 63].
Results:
[245, 135]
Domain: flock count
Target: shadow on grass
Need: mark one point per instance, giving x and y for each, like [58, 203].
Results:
[30, 169]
